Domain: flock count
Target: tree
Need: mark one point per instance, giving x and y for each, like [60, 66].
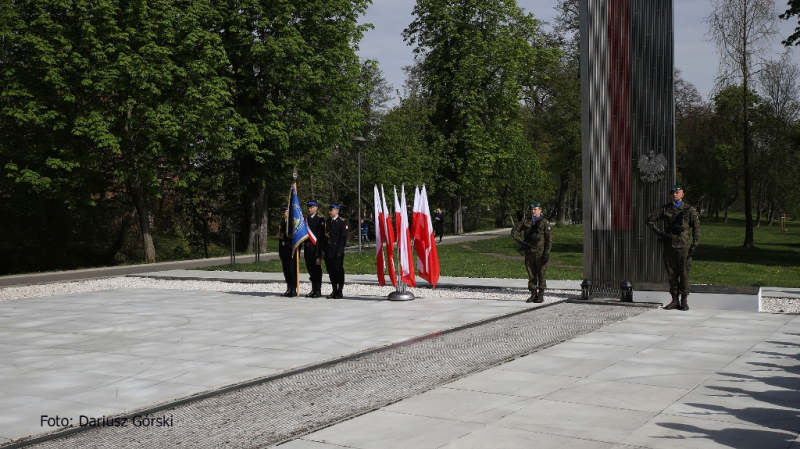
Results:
[742, 30]
[296, 87]
[474, 57]
[793, 11]
[780, 91]
[108, 98]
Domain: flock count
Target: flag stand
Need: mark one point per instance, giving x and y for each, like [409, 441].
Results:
[401, 294]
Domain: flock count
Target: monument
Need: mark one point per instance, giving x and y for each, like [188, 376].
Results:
[628, 143]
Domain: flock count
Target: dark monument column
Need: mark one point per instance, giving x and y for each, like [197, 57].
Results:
[628, 143]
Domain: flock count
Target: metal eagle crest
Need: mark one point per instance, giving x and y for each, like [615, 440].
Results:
[652, 167]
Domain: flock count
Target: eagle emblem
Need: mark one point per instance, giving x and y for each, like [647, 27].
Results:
[652, 167]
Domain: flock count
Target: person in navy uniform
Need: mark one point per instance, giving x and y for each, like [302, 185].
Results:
[288, 259]
[335, 241]
[313, 253]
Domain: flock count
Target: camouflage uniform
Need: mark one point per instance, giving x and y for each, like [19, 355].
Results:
[539, 235]
[680, 236]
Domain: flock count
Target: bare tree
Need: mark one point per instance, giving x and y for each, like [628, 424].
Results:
[742, 31]
[780, 90]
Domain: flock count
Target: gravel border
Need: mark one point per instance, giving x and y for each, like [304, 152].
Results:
[769, 304]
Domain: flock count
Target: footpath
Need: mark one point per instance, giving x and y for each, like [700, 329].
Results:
[149, 367]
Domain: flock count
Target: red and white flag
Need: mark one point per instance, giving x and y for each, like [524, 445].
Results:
[424, 240]
[379, 224]
[388, 236]
[403, 239]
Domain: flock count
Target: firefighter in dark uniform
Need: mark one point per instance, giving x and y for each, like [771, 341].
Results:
[536, 237]
[313, 253]
[287, 255]
[335, 242]
[680, 238]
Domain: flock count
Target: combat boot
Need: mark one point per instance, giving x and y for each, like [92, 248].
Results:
[539, 296]
[313, 290]
[288, 292]
[684, 303]
[532, 298]
[674, 304]
[338, 292]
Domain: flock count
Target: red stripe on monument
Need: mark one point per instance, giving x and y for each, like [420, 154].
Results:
[620, 106]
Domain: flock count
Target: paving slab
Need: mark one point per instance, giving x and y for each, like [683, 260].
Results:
[702, 378]
[651, 381]
[110, 352]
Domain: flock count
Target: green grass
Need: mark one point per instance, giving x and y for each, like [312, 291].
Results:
[720, 260]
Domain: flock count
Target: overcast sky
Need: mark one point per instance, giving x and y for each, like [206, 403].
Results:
[695, 56]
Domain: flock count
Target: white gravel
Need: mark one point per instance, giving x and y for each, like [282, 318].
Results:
[768, 304]
[63, 288]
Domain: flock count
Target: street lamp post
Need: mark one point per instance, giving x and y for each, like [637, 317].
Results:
[358, 140]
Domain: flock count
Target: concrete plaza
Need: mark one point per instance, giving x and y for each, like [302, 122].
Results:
[702, 378]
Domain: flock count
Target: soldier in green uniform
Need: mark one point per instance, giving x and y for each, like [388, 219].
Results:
[536, 237]
[680, 238]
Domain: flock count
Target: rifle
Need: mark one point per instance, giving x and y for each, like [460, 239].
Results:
[523, 245]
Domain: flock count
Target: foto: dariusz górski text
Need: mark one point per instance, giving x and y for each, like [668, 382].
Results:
[104, 421]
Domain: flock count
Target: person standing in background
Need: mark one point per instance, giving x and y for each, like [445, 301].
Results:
[438, 224]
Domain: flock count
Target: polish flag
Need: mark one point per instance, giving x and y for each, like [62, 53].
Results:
[403, 239]
[424, 241]
[388, 236]
[379, 224]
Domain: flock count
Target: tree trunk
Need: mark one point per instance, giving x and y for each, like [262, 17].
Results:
[257, 220]
[458, 215]
[563, 196]
[748, 200]
[137, 195]
[500, 220]
[573, 210]
[759, 204]
[119, 242]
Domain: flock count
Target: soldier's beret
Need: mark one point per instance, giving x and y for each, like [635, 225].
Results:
[312, 203]
[334, 206]
[536, 204]
[675, 188]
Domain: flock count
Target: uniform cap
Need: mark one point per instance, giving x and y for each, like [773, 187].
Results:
[285, 208]
[312, 203]
[675, 188]
[334, 206]
[536, 204]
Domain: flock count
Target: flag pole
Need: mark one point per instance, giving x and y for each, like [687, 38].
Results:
[296, 251]
[400, 293]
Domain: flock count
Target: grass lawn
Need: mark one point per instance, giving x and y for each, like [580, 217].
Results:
[720, 259]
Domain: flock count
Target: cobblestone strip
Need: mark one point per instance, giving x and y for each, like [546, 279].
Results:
[289, 407]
